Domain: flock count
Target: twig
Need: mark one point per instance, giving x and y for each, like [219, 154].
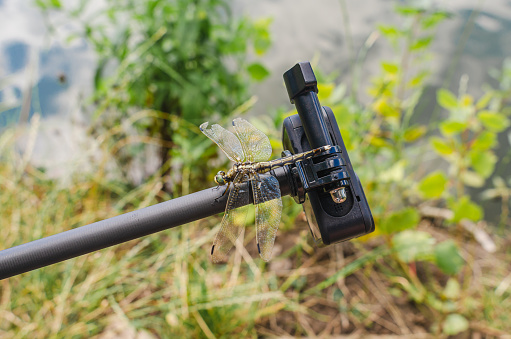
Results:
[476, 230]
[204, 327]
[376, 289]
[503, 286]
[476, 326]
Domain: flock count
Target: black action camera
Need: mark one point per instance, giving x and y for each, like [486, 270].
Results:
[327, 186]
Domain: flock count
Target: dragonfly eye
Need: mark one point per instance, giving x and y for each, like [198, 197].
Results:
[219, 178]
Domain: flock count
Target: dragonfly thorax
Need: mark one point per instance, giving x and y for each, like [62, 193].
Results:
[241, 167]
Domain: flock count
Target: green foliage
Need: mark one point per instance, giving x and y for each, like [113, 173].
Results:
[448, 259]
[184, 59]
[433, 185]
[494, 122]
[441, 146]
[446, 99]
[483, 162]
[454, 324]
[389, 151]
[452, 289]
[400, 221]
[464, 208]
[413, 245]
[48, 4]
[469, 135]
[258, 71]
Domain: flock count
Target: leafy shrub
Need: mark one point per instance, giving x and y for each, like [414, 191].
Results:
[185, 59]
[394, 159]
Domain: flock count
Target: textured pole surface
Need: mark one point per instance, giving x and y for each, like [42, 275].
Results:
[116, 230]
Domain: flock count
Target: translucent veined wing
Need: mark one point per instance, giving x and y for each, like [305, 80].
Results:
[234, 218]
[226, 140]
[268, 204]
[255, 143]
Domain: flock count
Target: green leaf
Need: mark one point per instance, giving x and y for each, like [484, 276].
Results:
[446, 99]
[448, 258]
[433, 185]
[485, 100]
[390, 68]
[434, 302]
[454, 324]
[418, 79]
[386, 109]
[41, 4]
[434, 19]
[472, 179]
[493, 121]
[414, 132]
[395, 173]
[325, 90]
[483, 162]
[464, 208]
[452, 288]
[262, 38]
[452, 127]
[400, 221]
[338, 93]
[441, 146]
[257, 71]
[413, 245]
[390, 32]
[408, 10]
[379, 142]
[484, 141]
[56, 4]
[421, 43]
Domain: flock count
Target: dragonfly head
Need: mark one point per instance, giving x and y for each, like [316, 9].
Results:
[219, 178]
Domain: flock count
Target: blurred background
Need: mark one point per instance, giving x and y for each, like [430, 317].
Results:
[100, 103]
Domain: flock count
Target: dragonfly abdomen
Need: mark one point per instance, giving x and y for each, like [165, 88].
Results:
[266, 166]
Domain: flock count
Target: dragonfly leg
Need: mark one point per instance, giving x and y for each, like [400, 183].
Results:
[256, 178]
[226, 190]
[216, 199]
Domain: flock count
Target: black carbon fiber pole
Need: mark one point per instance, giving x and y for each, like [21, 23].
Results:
[116, 230]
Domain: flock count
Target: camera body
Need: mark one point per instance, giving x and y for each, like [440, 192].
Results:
[327, 186]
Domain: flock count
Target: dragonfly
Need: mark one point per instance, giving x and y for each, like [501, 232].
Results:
[249, 149]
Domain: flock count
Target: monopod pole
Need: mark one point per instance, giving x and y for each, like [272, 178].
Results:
[119, 229]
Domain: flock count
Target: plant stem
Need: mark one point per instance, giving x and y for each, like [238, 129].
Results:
[347, 32]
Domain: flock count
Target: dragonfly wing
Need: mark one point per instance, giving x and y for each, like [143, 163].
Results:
[268, 205]
[234, 218]
[226, 140]
[255, 143]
